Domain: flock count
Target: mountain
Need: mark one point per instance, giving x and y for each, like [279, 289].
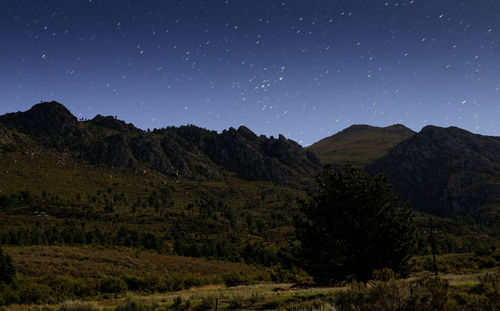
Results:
[187, 151]
[359, 144]
[181, 190]
[189, 191]
[445, 171]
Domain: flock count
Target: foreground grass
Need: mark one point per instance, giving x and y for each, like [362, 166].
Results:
[424, 293]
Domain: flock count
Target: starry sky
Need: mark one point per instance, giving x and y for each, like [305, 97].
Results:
[303, 68]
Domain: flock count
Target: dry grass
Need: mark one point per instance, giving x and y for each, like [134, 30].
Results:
[91, 262]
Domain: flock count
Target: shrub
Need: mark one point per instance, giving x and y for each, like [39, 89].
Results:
[427, 293]
[7, 271]
[383, 296]
[180, 304]
[236, 302]
[132, 303]
[113, 285]
[207, 303]
[235, 279]
[133, 283]
[430, 293]
[385, 274]
[79, 306]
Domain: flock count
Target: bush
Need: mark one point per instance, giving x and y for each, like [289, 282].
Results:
[132, 303]
[236, 302]
[113, 285]
[7, 271]
[79, 306]
[33, 293]
[385, 274]
[427, 293]
[430, 293]
[180, 304]
[383, 296]
[235, 279]
[207, 303]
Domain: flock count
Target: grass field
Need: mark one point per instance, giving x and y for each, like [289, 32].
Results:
[200, 281]
[91, 262]
[254, 297]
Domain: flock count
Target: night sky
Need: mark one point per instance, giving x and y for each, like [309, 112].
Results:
[306, 69]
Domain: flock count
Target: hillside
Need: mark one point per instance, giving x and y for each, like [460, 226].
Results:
[446, 171]
[359, 144]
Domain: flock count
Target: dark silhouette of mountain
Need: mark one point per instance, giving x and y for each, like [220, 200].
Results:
[359, 144]
[186, 151]
[445, 171]
[44, 121]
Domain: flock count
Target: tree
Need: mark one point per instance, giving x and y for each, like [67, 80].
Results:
[7, 271]
[352, 225]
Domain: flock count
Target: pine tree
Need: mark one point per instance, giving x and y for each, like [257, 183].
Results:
[352, 226]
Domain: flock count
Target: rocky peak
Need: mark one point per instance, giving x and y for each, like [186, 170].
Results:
[247, 133]
[399, 128]
[46, 120]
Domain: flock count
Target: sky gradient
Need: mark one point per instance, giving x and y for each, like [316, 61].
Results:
[306, 69]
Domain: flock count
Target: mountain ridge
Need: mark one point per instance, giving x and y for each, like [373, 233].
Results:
[185, 151]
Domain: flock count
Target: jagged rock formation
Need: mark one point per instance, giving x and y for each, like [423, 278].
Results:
[444, 170]
[359, 144]
[250, 156]
[186, 151]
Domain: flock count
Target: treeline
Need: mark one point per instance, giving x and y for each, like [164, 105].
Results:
[71, 236]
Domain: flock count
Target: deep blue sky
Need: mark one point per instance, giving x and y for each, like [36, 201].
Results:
[306, 69]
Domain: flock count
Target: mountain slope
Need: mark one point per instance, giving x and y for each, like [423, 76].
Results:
[188, 151]
[445, 171]
[359, 144]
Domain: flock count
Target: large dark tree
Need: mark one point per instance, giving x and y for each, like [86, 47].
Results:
[352, 225]
[7, 271]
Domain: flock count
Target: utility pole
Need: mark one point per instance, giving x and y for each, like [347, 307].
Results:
[43, 220]
[433, 247]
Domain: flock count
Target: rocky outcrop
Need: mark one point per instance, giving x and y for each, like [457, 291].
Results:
[186, 151]
[444, 171]
[112, 150]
